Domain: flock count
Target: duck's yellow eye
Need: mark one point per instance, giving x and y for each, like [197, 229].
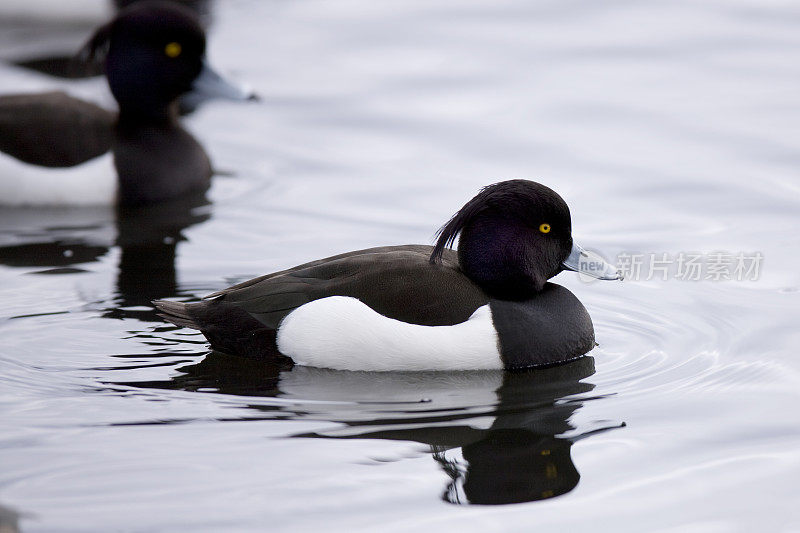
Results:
[544, 228]
[173, 49]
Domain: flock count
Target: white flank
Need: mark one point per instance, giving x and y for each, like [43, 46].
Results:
[343, 333]
[91, 183]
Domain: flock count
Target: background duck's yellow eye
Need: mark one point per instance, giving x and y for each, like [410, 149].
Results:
[544, 228]
[173, 49]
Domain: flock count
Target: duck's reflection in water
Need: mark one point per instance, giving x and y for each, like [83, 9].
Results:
[148, 238]
[523, 456]
[513, 429]
[63, 241]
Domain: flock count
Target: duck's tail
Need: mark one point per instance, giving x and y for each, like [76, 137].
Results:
[177, 313]
[227, 327]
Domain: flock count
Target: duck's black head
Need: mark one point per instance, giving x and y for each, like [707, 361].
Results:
[515, 235]
[154, 51]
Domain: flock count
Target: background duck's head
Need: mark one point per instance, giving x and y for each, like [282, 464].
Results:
[514, 236]
[154, 52]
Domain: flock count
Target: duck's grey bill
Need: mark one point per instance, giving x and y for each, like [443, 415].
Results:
[590, 264]
[210, 85]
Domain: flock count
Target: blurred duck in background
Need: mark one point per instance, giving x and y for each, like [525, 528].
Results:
[58, 150]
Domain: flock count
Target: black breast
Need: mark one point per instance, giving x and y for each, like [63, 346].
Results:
[551, 328]
[158, 162]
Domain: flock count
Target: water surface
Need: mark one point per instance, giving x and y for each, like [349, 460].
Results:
[667, 127]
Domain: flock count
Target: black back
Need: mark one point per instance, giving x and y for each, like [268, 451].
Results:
[396, 281]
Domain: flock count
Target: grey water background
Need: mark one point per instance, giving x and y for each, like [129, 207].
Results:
[667, 126]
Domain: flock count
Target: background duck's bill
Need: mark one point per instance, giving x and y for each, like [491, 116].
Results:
[590, 264]
[210, 85]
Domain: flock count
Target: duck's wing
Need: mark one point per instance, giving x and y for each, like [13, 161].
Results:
[54, 129]
[397, 281]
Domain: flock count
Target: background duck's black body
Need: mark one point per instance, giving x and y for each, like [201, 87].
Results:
[53, 129]
[398, 282]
